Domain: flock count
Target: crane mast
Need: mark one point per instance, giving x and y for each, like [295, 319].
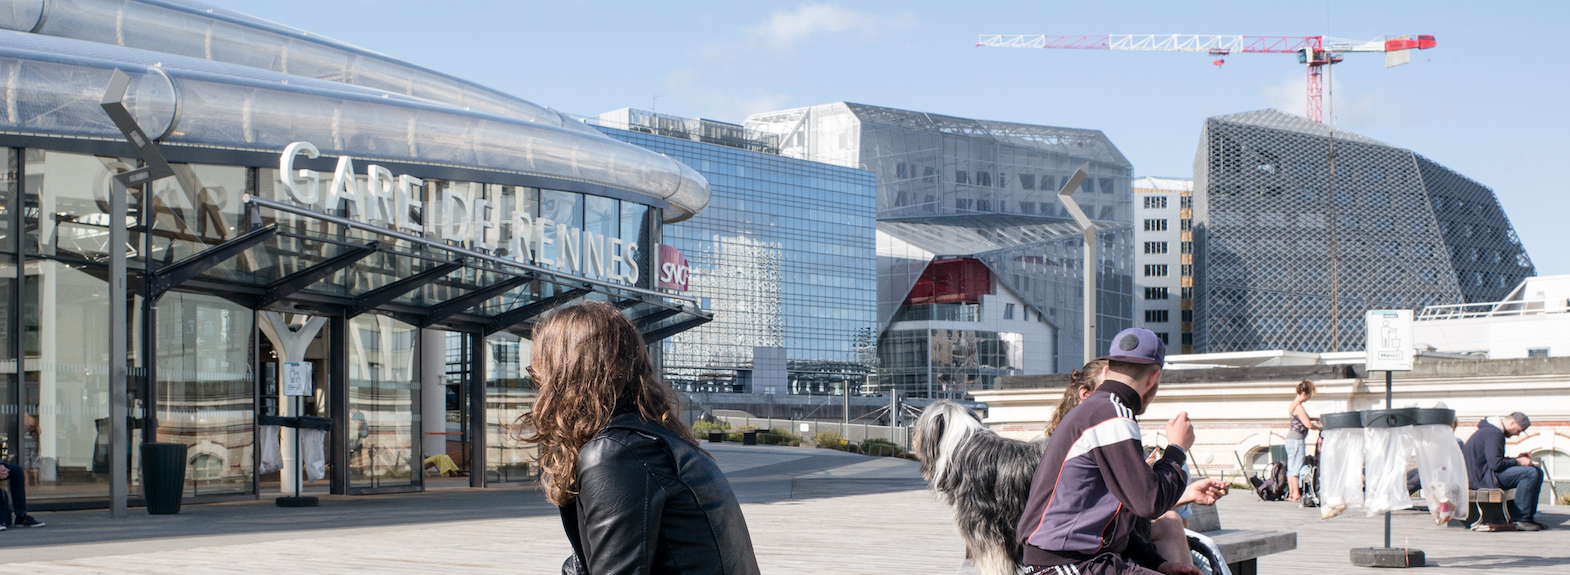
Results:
[1314, 52]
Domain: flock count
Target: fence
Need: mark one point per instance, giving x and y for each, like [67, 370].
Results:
[853, 432]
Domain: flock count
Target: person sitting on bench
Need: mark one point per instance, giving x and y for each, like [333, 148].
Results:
[1488, 468]
[18, 485]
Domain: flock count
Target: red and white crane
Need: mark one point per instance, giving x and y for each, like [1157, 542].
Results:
[1316, 52]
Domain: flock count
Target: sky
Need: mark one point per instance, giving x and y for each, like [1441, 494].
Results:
[1487, 102]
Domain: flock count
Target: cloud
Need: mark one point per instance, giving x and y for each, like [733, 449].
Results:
[788, 27]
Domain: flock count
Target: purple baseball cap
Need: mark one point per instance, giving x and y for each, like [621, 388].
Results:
[1137, 345]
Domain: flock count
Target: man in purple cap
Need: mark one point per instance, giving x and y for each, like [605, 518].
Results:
[1488, 468]
[1092, 483]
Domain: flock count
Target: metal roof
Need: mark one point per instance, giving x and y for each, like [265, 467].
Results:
[965, 236]
[1277, 120]
[252, 85]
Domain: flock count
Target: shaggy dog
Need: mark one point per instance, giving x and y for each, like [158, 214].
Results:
[983, 476]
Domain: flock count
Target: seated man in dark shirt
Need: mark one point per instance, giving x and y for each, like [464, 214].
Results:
[13, 475]
[1488, 468]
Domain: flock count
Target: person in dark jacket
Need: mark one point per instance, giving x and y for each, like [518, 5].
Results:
[1093, 479]
[636, 494]
[1488, 468]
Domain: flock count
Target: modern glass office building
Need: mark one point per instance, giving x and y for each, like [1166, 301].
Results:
[784, 257]
[957, 188]
[1275, 229]
[328, 207]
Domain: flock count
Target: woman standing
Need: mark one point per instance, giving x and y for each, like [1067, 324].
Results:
[1300, 423]
[635, 492]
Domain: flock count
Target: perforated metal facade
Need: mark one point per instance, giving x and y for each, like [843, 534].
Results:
[1407, 232]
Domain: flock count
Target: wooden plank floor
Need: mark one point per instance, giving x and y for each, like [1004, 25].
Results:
[886, 533]
[514, 531]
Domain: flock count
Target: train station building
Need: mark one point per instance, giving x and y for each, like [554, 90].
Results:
[391, 229]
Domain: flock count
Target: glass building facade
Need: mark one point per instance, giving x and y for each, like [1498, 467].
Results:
[783, 257]
[316, 211]
[1405, 233]
[953, 187]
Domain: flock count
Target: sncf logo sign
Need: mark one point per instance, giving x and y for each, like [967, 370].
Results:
[674, 271]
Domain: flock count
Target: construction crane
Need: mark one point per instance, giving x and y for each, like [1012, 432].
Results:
[1316, 52]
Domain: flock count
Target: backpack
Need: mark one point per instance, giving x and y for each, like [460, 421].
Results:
[1274, 488]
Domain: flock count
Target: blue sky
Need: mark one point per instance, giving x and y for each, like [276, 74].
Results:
[1488, 102]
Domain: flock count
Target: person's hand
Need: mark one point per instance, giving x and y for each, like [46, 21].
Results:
[1149, 460]
[5, 472]
[1206, 491]
[1170, 568]
[1519, 460]
[1180, 432]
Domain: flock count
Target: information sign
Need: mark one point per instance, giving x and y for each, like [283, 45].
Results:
[296, 378]
[1389, 339]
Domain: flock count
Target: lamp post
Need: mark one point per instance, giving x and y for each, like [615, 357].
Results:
[155, 169]
[1087, 227]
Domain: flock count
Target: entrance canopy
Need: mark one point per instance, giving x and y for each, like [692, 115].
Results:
[297, 260]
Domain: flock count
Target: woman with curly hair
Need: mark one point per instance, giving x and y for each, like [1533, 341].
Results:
[636, 493]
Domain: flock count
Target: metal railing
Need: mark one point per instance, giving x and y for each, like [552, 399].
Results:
[1494, 309]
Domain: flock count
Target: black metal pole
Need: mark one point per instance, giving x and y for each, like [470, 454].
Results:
[1389, 404]
[300, 459]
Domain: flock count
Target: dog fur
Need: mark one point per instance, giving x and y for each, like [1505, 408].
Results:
[983, 476]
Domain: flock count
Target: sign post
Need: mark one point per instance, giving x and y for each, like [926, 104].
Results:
[297, 384]
[1388, 342]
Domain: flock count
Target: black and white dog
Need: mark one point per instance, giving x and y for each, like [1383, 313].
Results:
[983, 476]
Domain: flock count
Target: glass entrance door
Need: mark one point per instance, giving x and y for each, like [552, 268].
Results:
[384, 392]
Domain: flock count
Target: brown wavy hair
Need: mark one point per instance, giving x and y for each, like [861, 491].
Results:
[588, 361]
[1086, 378]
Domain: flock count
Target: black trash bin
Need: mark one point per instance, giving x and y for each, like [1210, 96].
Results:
[163, 477]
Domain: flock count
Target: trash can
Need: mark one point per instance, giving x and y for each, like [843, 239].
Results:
[163, 477]
[749, 437]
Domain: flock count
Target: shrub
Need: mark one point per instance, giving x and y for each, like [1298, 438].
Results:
[831, 440]
[704, 427]
[882, 448]
[779, 436]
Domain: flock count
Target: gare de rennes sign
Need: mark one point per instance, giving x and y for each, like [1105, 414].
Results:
[382, 198]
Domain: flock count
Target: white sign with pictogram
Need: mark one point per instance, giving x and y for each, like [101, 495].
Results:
[296, 378]
[1389, 339]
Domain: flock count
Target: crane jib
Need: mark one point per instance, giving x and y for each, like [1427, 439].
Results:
[1212, 44]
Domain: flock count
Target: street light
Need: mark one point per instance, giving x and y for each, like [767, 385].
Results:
[1087, 227]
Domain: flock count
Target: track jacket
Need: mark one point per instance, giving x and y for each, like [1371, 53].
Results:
[1092, 481]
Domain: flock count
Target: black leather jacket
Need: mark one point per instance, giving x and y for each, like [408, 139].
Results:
[650, 503]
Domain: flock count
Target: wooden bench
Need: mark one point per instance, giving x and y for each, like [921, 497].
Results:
[1489, 509]
[1240, 548]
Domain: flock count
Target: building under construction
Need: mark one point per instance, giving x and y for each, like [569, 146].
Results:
[1407, 233]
